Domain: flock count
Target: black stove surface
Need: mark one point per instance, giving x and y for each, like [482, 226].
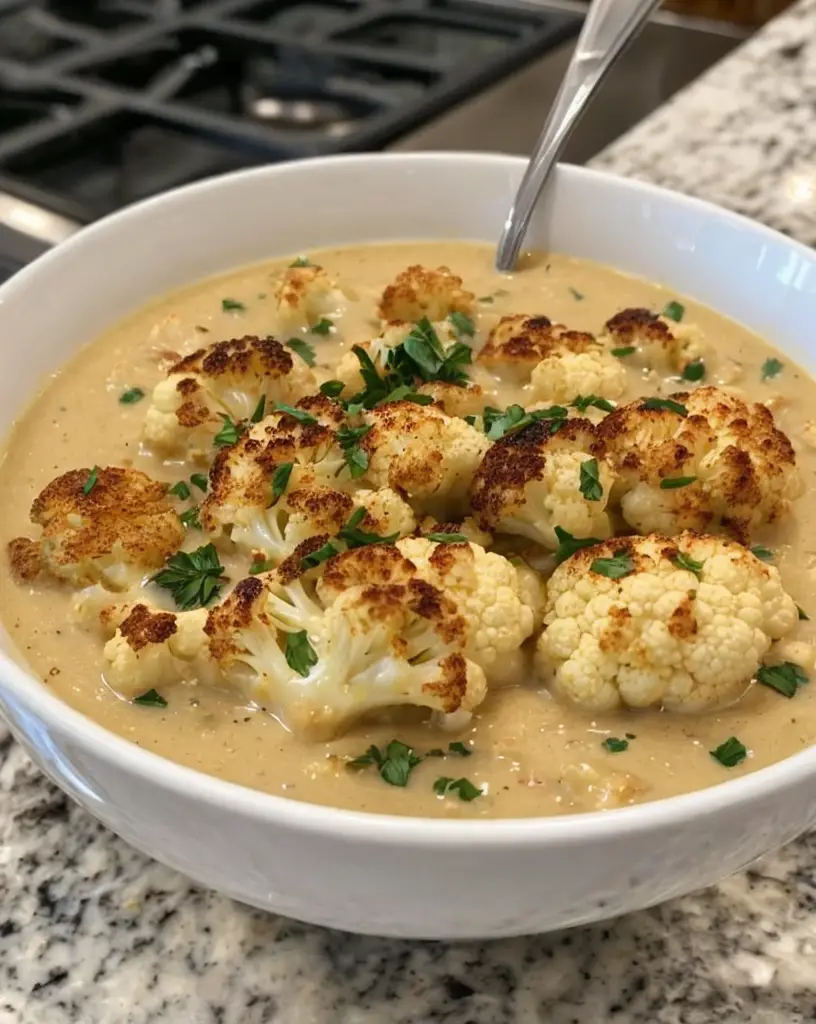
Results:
[103, 102]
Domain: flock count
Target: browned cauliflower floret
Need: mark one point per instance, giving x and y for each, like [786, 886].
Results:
[660, 343]
[109, 526]
[305, 295]
[700, 460]
[420, 451]
[535, 480]
[559, 363]
[455, 399]
[227, 380]
[419, 292]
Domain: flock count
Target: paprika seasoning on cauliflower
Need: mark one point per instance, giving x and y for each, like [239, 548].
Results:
[681, 623]
[658, 342]
[418, 292]
[699, 460]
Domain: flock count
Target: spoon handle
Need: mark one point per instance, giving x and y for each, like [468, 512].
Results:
[608, 27]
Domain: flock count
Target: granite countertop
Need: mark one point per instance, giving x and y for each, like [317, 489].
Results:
[92, 932]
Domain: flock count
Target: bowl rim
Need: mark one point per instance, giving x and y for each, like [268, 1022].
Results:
[367, 826]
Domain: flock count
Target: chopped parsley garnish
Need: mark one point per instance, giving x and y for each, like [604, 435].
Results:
[200, 481]
[299, 653]
[578, 296]
[462, 324]
[614, 745]
[189, 518]
[459, 748]
[229, 433]
[730, 753]
[684, 561]
[357, 538]
[665, 404]
[131, 395]
[771, 368]
[90, 483]
[260, 565]
[447, 538]
[803, 615]
[356, 457]
[232, 305]
[193, 578]
[487, 298]
[301, 261]
[332, 388]
[623, 352]
[464, 788]
[260, 409]
[694, 371]
[568, 545]
[674, 311]
[615, 568]
[303, 417]
[405, 393]
[584, 402]
[785, 678]
[150, 699]
[762, 553]
[498, 424]
[181, 490]
[323, 326]
[429, 359]
[672, 483]
[394, 765]
[321, 555]
[302, 349]
[280, 480]
[590, 483]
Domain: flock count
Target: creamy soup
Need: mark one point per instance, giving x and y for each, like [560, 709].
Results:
[530, 753]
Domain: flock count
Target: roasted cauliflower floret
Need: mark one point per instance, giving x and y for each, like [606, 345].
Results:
[490, 596]
[660, 343]
[418, 292]
[534, 480]
[455, 399]
[421, 452]
[559, 363]
[228, 380]
[305, 295]
[652, 621]
[109, 526]
[701, 460]
[153, 649]
[319, 667]
[466, 528]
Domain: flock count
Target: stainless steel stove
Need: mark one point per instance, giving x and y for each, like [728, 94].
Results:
[104, 102]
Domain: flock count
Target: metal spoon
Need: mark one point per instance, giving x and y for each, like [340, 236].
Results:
[609, 26]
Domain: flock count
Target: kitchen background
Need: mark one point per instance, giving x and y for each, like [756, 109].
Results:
[104, 102]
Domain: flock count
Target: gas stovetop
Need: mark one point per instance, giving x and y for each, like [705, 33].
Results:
[103, 102]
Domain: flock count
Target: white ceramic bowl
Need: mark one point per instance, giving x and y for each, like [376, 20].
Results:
[407, 877]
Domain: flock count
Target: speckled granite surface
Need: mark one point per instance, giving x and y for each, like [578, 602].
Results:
[93, 933]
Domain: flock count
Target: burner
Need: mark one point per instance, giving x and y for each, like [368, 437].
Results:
[449, 42]
[18, 109]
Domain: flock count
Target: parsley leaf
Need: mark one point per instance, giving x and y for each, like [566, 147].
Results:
[131, 395]
[150, 699]
[578, 296]
[430, 361]
[357, 538]
[674, 482]
[486, 298]
[323, 326]
[372, 756]
[90, 483]
[584, 402]
[405, 393]
[447, 538]
[303, 417]
[280, 480]
[356, 457]
[803, 615]
[674, 311]
[302, 349]
[590, 483]
[260, 565]
[730, 753]
[614, 745]
[621, 353]
[232, 305]
[229, 433]
[684, 561]
[200, 481]
[332, 388]
[260, 409]
[462, 324]
[568, 545]
[459, 748]
[463, 787]
[193, 578]
[785, 678]
[666, 404]
[615, 568]
[395, 764]
[181, 490]
[498, 424]
[299, 653]
[189, 518]
[301, 261]
[694, 371]
[771, 368]
[321, 555]
[762, 553]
